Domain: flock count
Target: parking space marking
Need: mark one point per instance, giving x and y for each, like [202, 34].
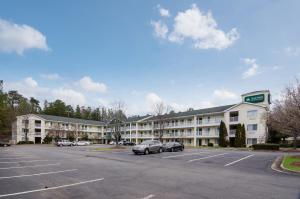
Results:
[149, 196]
[23, 161]
[211, 156]
[14, 158]
[38, 174]
[231, 163]
[29, 166]
[51, 188]
[186, 154]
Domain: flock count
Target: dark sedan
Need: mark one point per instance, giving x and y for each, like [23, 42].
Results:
[173, 146]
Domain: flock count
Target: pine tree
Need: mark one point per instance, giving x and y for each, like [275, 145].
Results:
[223, 135]
[238, 135]
[78, 112]
[243, 136]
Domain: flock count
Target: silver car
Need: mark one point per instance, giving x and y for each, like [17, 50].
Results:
[64, 143]
[147, 147]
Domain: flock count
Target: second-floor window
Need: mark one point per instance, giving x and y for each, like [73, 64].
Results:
[252, 114]
[252, 127]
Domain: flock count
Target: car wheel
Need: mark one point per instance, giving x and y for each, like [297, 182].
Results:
[160, 150]
[172, 149]
[60, 145]
[146, 152]
[182, 148]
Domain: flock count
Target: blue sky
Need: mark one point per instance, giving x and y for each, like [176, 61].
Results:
[184, 53]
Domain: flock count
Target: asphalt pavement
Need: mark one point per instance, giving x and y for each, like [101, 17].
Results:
[43, 171]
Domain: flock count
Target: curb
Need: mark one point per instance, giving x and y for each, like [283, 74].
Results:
[288, 170]
[278, 167]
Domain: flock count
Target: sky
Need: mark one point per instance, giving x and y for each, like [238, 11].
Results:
[184, 53]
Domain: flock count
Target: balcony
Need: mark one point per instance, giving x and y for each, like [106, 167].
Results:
[232, 132]
[234, 119]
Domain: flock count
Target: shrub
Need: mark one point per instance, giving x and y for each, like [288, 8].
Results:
[265, 147]
[210, 144]
[47, 139]
[25, 142]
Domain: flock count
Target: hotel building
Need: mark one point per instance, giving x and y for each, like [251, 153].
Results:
[193, 128]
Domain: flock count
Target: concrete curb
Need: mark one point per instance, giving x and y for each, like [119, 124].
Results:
[278, 167]
[288, 170]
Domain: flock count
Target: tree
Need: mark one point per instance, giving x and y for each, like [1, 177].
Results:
[78, 112]
[238, 136]
[117, 121]
[243, 136]
[285, 115]
[160, 110]
[223, 135]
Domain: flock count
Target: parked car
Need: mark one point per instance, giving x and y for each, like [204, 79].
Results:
[147, 147]
[129, 143]
[173, 146]
[122, 142]
[64, 143]
[112, 142]
[82, 143]
[4, 144]
[126, 143]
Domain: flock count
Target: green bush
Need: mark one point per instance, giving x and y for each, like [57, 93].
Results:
[47, 139]
[274, 147]
[210, 144]
[25, 142]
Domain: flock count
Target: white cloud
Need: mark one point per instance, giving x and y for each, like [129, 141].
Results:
[69, 96]
[178, 107]
[89, 85]
[253, 70]
[202, 29]
[292, 51]
[18, 38]
[224, 94]
[163, 12]
[160, 29]
[28, 87]
[152, 99]
[53, 76]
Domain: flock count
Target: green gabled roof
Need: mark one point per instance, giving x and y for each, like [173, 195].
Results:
[70, 120]
[212, 110]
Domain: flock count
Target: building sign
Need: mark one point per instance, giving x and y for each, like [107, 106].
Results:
[255, 98]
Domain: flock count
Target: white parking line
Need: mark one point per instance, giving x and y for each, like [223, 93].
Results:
[211, 156]
[39, 165]
[24, 161]
[231, 163]
[13, 158]
[149, 196]
[186, 154]
[38, 174]
[50, 188]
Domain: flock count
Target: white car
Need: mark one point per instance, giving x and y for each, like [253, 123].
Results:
[83, 143]
[112, 143]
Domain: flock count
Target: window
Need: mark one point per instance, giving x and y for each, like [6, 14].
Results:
[252, 114]
[252, 127]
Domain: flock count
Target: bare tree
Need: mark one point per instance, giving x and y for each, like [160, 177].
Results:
[160, 110]
[285, 115]
[117, 120]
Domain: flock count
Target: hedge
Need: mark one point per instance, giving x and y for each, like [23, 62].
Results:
[210, 144]
[266, 147]
[26, 142]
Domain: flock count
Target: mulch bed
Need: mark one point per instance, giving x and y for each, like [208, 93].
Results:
[297, 164]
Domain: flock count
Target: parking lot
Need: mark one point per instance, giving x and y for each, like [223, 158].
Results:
[83, 172]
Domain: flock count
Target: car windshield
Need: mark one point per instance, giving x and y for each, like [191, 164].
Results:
[146, 142]
[170, 143]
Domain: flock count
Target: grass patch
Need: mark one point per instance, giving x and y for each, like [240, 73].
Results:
[103, 149]
[291, 162]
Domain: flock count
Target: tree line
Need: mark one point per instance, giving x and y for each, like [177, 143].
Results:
[13, 104]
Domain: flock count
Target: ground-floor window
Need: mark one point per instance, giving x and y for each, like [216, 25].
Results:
[251, 141]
